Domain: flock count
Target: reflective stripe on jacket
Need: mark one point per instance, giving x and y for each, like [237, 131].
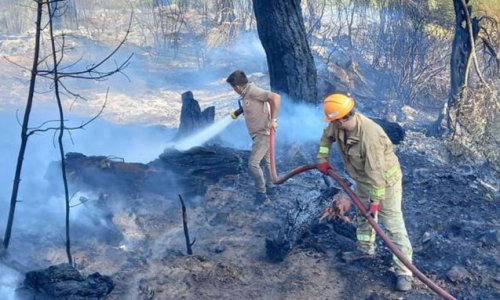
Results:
[367, 153]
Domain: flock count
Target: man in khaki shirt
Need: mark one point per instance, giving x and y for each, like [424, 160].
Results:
[260, 108]
[370, 160]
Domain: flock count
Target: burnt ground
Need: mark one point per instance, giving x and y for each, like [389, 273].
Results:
[451, 215]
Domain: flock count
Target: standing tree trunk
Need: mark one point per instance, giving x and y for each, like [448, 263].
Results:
[24, 130]
[382, 36]
[192, 117]
[461, 51]
[282, 32]
[55, 71]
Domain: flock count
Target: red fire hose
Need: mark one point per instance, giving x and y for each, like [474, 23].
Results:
[362, 209]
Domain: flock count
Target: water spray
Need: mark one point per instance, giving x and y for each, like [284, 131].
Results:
[206, 134]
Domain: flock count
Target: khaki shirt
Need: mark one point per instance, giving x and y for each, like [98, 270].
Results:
[367, 153]
[256, 109]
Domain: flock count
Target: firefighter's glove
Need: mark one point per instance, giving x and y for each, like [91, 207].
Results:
[324, 167]
[372, 210]
[273, 124]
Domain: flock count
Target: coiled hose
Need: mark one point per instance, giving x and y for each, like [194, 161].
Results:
[279, 180]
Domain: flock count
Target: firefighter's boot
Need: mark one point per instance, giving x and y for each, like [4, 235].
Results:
[403, 283]
[261, 199]
[271, 190]
[351, 256]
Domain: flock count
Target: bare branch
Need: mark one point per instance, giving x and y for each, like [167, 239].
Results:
[16, 64]
[94, 67]
[189, 244]
[43, 124]
[472, 42]
[72, 94]
[98, 75]
[66, 128]
[82, 200]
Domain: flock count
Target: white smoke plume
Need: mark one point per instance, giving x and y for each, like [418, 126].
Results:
[9, 281]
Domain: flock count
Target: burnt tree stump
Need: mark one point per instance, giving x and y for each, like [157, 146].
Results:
[394, 131]
[65, 282]
[192, 117]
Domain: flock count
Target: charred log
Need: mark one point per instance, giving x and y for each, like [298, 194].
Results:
[105, 173]
[65, 282]
[189, 172]
[192, 117]
[200, 167]
[298, 223]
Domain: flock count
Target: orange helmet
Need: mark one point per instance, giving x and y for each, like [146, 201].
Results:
[337, 106]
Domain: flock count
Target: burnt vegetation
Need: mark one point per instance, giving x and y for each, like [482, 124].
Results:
[427, 71]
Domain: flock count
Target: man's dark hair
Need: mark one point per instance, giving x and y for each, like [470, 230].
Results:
[238, 77]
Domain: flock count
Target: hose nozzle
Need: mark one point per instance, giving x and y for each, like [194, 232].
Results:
[235, 114]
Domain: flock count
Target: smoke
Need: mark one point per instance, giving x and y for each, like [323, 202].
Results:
[298, 123]
[132, 142]
[40, 211]
[236, 135]
[41, 206]
[246, 53]
[9, 281]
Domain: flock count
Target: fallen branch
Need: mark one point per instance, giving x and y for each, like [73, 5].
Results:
[189, 244]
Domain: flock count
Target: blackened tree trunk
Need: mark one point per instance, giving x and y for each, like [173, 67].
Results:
[24, 130]
[461, 51]
[282, 32]
[192, 117]
[56, 82]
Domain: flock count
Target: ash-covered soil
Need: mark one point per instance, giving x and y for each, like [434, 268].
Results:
[450, 210]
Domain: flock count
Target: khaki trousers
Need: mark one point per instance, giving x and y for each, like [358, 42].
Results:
[392, 218]
[260, 151]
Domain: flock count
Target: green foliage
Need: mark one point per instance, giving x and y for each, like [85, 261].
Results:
[487, 7]
[443, 9]
[479, 7]
[439, 32]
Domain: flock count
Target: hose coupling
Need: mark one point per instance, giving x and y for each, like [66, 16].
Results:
[235, 114]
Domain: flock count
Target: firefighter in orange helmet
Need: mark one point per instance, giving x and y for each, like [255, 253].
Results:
[369, 159]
